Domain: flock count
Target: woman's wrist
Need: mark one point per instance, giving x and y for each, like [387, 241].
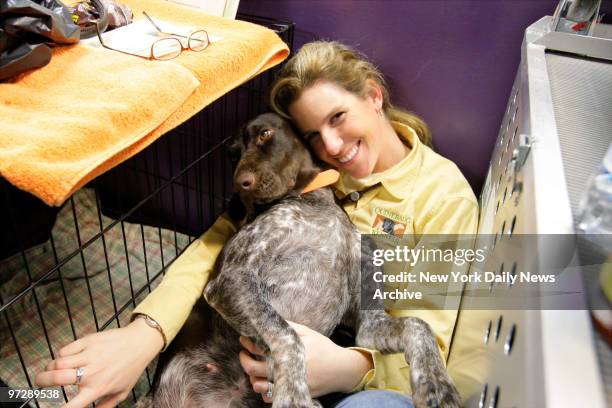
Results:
[356, 365]
[152, 339]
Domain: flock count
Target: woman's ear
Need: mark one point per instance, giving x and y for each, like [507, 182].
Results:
[373, 92]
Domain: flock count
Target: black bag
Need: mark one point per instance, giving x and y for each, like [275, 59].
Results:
[26, 26]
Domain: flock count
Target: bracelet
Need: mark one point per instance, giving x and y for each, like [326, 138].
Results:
[151, 323]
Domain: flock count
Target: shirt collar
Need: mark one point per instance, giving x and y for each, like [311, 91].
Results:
[397, 180]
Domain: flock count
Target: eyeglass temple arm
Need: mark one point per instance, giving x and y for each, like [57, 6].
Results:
[159, 29]
[114, 49]
[152, 22]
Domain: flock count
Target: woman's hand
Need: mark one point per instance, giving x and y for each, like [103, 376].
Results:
[329, 367]
[112, 360]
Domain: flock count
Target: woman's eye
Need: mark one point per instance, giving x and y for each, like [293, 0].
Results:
[337, 117]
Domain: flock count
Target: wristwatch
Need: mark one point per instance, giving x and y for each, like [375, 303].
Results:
[151, 323]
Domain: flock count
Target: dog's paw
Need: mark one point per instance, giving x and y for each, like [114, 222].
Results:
[144, 402]
[295, 403]
[435, 393]
[316, 404]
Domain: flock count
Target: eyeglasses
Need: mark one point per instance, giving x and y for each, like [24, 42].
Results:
[169, 47]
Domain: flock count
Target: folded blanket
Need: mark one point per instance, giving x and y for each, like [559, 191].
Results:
[91, 109]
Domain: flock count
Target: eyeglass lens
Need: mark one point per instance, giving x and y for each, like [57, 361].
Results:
[198, 40]
[166, 48]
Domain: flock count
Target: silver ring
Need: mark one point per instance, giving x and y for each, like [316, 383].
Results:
[80, 372]
[269, 392]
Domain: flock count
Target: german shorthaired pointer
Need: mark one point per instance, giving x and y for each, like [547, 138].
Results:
[298, 258]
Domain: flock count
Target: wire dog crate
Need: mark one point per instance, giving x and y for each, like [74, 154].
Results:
[68, 272]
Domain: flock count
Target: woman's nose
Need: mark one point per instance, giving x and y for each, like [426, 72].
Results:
[331, 141]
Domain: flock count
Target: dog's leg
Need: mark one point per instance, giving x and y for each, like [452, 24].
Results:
[286, 357]
[253, 316]
[315, 403]
[431, 384]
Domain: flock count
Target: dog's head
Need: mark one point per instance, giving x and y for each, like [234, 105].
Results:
[271, 161]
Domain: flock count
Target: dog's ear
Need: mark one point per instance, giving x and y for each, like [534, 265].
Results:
[294, 129]
[305, 176]
[309, 165]
[320, 164]
[235, 146]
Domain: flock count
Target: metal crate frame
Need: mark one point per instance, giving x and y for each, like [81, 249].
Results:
[530, 358]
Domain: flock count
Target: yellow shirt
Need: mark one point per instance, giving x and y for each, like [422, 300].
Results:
[424, 193]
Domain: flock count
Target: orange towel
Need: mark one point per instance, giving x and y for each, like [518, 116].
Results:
[62, 124]
[91, 109]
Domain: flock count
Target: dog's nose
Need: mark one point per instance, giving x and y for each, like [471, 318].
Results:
[245, 180]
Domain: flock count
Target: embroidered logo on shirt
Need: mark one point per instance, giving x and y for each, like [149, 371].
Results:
[388, 222]
[389, 226]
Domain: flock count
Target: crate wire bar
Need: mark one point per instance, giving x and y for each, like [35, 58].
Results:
[112, 241]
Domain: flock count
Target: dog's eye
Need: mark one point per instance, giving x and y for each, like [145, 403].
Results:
[265, 135]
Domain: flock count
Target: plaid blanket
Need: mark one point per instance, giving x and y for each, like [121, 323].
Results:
[83, 294]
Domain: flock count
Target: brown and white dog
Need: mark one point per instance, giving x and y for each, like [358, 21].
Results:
[298, 258]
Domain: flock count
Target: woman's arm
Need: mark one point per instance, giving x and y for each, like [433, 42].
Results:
[113, 360]
[171, 302]
[330, 368]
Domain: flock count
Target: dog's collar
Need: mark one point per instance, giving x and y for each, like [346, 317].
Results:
[323, 179]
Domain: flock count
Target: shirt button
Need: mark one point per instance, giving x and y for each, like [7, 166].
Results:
[354, 196]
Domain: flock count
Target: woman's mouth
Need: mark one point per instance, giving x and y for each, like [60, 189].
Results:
[350, 155]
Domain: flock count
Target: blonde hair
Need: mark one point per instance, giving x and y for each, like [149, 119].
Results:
[339, 64]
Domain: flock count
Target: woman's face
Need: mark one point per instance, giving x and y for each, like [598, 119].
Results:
[341, 127]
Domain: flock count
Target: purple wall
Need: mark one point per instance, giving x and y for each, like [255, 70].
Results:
[450, 61]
